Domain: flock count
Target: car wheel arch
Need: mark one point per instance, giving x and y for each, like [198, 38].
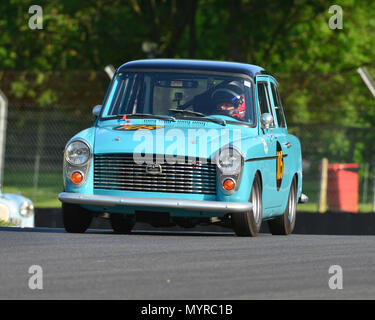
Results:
[259, 173]
[294, 177]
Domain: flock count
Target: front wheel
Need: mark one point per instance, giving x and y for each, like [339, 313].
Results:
[122, 223]
[247, 224]
[284, 224]
[75, 218]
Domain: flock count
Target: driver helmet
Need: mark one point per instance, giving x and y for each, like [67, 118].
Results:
[230, 101]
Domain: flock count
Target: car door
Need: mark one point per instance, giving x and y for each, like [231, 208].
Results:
[270, 199]
[283, 145]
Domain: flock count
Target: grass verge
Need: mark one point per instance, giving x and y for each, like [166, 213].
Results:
[5, 224]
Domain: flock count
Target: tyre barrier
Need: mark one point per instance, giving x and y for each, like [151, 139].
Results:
[330, 223]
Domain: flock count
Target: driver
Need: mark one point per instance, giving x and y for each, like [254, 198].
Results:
[230, 101]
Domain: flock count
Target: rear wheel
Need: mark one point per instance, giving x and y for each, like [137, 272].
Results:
[122, 223]
[75, 218]
[247, 224]
[284, 224]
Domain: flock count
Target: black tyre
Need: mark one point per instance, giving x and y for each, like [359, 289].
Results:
[284, 224]
[75, 218]
[122, 223]
[247, 224]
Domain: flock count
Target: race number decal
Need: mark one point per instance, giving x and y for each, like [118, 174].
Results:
[279, 169]
[134, 127]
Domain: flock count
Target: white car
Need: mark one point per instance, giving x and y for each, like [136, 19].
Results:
[16, 210]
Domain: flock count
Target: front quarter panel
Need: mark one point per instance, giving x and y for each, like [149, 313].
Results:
[296, 162]
[87, 188]
[252, 148]
[292, 168]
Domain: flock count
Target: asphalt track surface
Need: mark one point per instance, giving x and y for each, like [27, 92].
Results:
[183, 265]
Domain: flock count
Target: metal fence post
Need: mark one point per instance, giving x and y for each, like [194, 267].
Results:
[36, 176]
[322, 205]
[365, 183]
[110, 71]
[3, 129]
[369, 82]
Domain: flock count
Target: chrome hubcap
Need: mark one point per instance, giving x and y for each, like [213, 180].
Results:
[255, 199]
[292, 205]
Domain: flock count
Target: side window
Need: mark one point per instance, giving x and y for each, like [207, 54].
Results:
[264, 99]
[278, 106]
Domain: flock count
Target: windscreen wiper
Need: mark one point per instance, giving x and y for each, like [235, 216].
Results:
[195, 113]
[147, 115]
[216, 120]
[199, 114]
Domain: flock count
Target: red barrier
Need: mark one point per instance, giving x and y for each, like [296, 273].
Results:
[342, 193]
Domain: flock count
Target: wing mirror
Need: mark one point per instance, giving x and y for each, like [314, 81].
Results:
[96, 110]
[266, 120]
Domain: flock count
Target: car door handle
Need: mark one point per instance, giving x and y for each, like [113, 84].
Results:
[288, 144]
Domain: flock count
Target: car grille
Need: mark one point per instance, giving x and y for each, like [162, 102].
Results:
[120, 172]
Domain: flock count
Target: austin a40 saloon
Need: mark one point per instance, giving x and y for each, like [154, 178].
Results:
[181, 142]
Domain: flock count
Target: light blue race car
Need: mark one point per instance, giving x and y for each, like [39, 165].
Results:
[16, 210]
[181, 142]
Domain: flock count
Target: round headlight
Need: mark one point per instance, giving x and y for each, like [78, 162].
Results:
[230, 161]
[26, 209]
[77, 153]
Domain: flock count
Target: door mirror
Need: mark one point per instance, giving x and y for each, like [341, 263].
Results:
[266, 120]
[96, 110]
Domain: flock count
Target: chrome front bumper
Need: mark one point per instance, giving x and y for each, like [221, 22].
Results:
[181, 204]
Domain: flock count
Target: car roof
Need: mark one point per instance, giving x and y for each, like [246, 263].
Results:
[199, 65]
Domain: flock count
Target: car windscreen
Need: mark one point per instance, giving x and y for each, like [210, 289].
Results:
[180, 95]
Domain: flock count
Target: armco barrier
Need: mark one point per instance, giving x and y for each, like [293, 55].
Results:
[330, 223]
